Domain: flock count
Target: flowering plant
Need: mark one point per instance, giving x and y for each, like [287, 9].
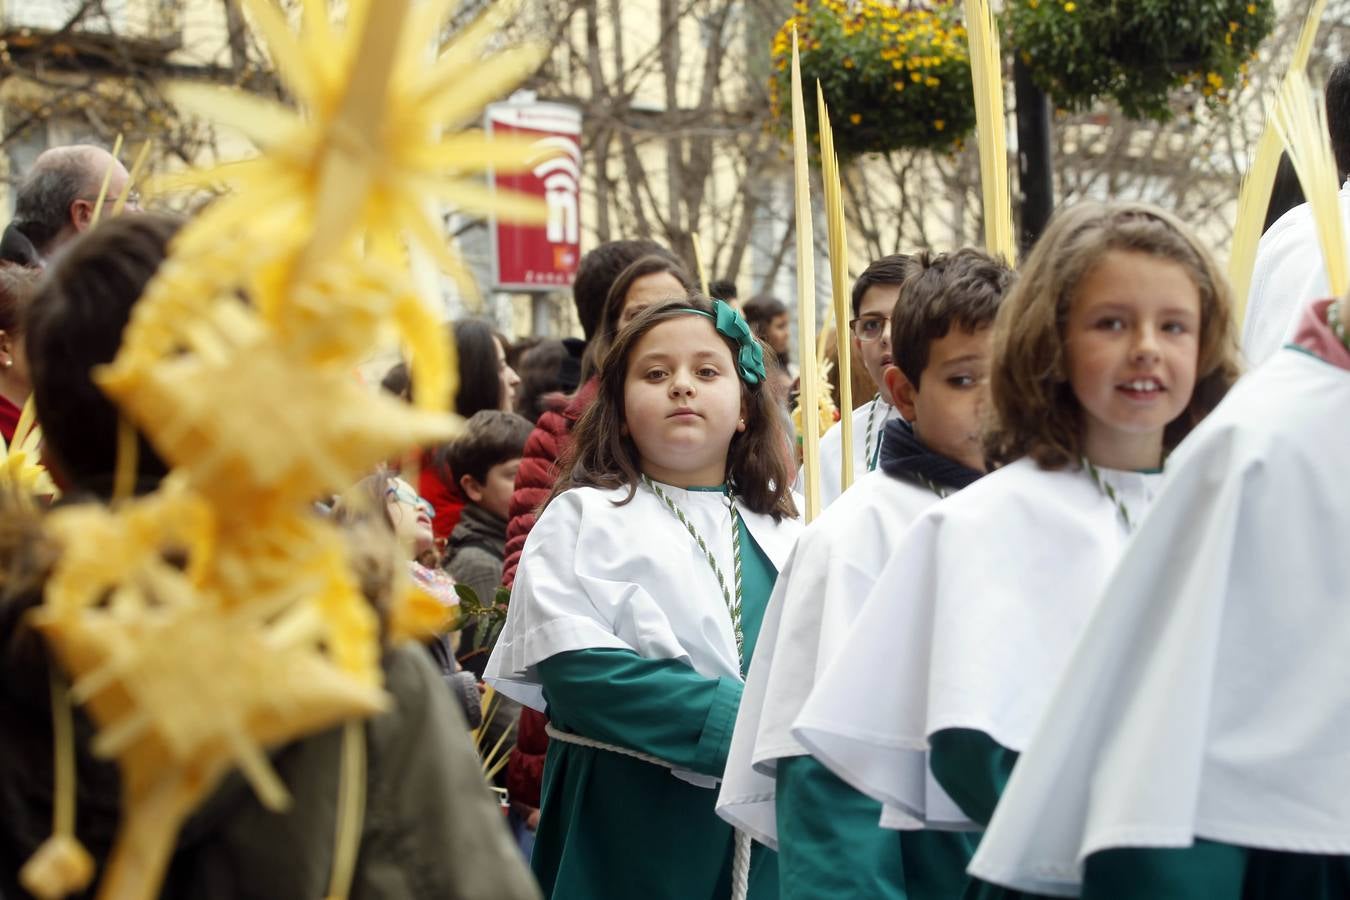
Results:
[893, 76]
[1138, 53]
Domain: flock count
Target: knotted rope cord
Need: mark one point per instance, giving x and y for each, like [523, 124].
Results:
[740, 860]
[733, 604]
[871, 456]
[1109, 492]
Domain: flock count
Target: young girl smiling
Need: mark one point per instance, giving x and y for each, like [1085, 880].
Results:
[637, 604]
[1115, 342]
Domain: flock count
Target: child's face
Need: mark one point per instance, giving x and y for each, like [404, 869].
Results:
[877, 303]
[682, 402]
[494, 494]
[946, 408]
[1132, 345]
[411, 516]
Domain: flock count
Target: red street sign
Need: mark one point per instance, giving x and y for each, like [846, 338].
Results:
[539, 257]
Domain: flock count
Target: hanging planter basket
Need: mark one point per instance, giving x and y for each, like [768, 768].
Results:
[894, 76]
[1146, 55]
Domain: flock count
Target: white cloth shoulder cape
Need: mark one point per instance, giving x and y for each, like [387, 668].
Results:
[1210, 695]
[818, 595]
[969, 626]
[832, 448]
[596, 575]
[1287, 275]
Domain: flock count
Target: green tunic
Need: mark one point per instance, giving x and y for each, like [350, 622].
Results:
[1214, 871]
[831, 845]
[616, 827]
[974, 769]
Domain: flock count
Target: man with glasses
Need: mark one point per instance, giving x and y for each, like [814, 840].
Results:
[874, 296]
[55, 201]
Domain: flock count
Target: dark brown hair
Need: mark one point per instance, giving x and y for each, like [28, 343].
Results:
[887, 270]
[489, 438]
[641, 267]
[74, 324]
[962, 289]
[602, 456]
[480, 383]
[596, 272]
[1035, 410]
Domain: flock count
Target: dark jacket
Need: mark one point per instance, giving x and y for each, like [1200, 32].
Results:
[475, 551]
[424, 794]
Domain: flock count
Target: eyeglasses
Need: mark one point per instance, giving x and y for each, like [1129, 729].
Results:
[403, 495]
[869, 328]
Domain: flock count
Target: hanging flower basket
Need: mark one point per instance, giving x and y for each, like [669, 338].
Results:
[893, 76]
[1139, 53]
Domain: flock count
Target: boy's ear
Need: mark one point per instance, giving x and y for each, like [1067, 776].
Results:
[903, 394]
[471, 489]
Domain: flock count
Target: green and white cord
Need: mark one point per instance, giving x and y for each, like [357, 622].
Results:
[1109, 492]
[870, 456]
[733, 602]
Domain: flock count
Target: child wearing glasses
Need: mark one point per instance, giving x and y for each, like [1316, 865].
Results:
[874, 296]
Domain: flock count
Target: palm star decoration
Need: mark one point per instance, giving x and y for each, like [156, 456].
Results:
[220, 616]
[21, 470]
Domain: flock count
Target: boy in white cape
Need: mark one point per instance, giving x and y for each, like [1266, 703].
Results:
[940, 328]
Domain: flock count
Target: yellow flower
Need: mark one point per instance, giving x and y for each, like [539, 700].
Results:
[898, 85]
[1232, 26]
[848, 62]
[855, 118]
[1251, 9]
[915, 77]
[1070, 6]
[939, 124]
[1215, 80]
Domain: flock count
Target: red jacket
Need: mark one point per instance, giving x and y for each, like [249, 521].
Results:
[534, 482]
[525, 771]
[443, 496]
[538, 471]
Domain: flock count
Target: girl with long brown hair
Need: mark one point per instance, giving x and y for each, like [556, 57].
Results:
[637, 604]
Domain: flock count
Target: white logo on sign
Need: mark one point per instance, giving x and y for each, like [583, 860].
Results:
[561, 175]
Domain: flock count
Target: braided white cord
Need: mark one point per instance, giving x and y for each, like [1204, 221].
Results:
[740, 867]
[740, 860]
[568, 737]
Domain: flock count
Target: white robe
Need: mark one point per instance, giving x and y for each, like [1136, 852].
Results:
[969, 626]
[832, 448]
[818, 595]
[595, 575]
[1210, 695]
[1288, 274]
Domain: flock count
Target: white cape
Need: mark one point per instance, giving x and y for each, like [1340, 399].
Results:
[1210, 695]
[817, 597]
[596, 575]
[1288, 274]
[969, 626]
[832, 448]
